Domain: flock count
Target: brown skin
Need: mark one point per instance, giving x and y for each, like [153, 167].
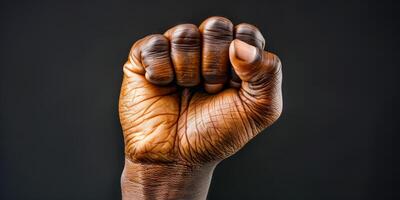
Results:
[189, 99]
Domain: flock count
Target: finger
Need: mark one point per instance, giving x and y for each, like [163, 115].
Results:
[152, 53]
[251, 35]
[217, 34]
[185, 42]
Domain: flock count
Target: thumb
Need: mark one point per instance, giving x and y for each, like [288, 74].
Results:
[252, 64]
[260, 72]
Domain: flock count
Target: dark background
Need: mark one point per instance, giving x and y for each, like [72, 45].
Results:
[61, 72]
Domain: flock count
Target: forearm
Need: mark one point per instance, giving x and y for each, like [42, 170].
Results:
[165, 181]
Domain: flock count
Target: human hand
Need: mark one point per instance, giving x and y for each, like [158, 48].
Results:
[194, 96]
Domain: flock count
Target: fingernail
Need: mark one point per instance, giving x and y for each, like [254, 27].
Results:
[244, 51]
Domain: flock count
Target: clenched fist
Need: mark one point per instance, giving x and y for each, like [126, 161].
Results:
[195, 95]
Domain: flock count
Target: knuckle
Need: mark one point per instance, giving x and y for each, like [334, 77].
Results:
[277, 62]
[273, 63]
[155, 46]
[249, 34]
[217, 29]
[185, 37]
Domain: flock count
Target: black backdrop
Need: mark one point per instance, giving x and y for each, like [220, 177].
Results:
[61, 72]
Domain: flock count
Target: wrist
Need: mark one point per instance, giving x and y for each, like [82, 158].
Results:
[165, 181]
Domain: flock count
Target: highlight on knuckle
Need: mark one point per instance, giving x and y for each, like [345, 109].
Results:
[155, 46]
[186, 37]
[217, 29]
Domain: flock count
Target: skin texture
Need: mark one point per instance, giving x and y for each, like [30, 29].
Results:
[189, 99]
